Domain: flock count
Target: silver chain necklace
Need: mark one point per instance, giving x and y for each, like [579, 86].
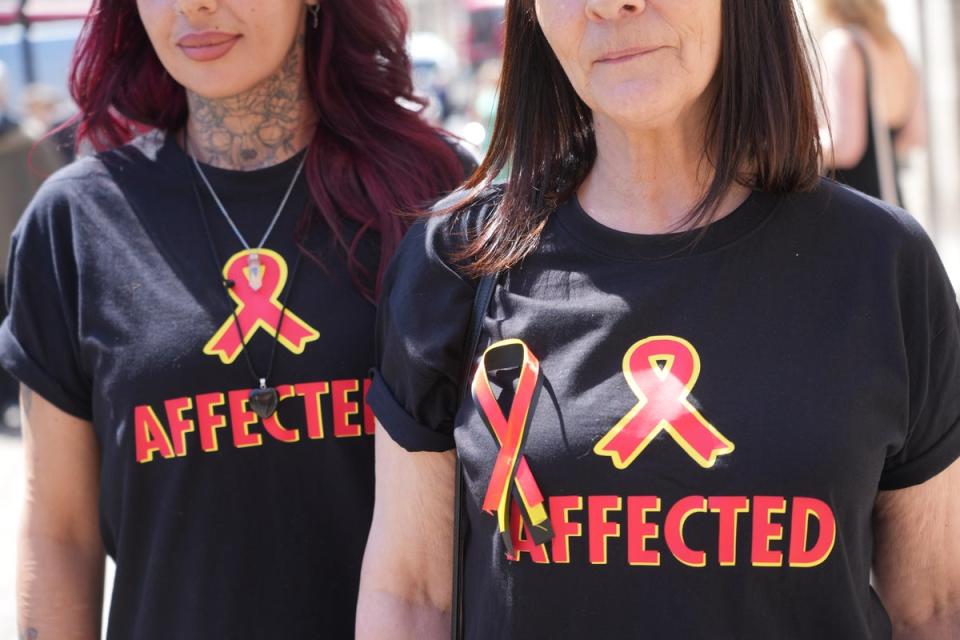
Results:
[254, 270]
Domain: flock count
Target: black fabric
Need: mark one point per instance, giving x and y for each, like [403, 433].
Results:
[481, 301]
[9, 387]
[865, 175]
[828, 341]
[229, 531]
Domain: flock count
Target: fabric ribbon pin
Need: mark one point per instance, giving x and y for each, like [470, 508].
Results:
[511, 473]
[258, 309]
[661, 371]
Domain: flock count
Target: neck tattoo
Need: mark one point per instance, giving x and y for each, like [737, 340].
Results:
[259, 128]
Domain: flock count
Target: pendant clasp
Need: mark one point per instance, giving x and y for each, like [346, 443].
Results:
[254, 272]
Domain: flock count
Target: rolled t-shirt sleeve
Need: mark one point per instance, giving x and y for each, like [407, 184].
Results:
[931, 321]
[39, 339]
[422, 321]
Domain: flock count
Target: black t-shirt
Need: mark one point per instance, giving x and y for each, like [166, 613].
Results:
[714, 420]
[222, 525]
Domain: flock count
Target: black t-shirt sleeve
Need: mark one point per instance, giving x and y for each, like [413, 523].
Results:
[421, 326]
[931, 332]
[39, 339]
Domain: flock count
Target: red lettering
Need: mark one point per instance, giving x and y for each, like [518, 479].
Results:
[673, 530]
[563, 529]
[344, 409]
[522, 541]
[599, 527]
[312, 393]
[812, 524]
[765, 531]
[241, 417]
[150, 435]
[208, 421]
[800, 554]
[272, 424]
[179, 426]
[728, 509]
[639, 531]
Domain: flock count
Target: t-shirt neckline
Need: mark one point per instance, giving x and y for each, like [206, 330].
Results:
[262, 180]
[749, 215]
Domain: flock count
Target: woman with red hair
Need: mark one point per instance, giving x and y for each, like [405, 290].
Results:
[191, 312]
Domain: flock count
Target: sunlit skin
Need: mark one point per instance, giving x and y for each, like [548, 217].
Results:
[644, 65]
[266, 30]
[645, 70]
[242, 64]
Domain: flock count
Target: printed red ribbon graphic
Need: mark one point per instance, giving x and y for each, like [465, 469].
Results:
[258, 309]
[661, 371]
[511, 473]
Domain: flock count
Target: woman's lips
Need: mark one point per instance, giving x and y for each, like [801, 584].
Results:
[625, 55]
[204, 47]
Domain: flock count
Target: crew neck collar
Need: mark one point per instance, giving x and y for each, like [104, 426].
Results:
[235, 180]
[636, 246]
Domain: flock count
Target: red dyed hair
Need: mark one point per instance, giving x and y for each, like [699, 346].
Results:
[370, 160]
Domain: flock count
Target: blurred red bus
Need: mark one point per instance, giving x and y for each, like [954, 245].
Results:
[485, 30]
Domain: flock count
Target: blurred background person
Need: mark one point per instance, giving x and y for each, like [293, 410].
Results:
[874, 100]
[435, 66]
[24, 163]
[41, 107]
[456, 49]
[482, 108]
[47, 112]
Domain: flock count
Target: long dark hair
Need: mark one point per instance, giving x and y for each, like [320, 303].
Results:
[370, 157]
[761, 128]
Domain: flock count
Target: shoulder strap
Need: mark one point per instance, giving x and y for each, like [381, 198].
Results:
[481, 302]
[882, 139]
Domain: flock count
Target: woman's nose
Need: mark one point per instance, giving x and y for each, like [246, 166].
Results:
[193, 8]
[612, 9]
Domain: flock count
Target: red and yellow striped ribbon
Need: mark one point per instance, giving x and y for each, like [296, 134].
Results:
[511, 472]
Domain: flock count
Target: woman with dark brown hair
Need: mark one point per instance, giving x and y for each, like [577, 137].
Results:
[714, 392]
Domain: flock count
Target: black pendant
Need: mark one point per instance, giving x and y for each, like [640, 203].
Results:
[264, 401]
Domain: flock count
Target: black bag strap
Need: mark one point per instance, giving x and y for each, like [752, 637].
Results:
[481, 302]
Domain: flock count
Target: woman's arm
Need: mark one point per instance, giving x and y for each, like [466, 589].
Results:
[60, 563]
[405, 584]
[845, 93]
[914, 132]
[917, 557]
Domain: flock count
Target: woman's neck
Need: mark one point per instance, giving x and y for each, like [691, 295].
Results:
[258, 128]
[649, 181]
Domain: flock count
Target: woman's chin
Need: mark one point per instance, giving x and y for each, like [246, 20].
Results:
[217, 86]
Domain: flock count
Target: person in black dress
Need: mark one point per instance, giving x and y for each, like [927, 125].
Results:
[875, 107]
